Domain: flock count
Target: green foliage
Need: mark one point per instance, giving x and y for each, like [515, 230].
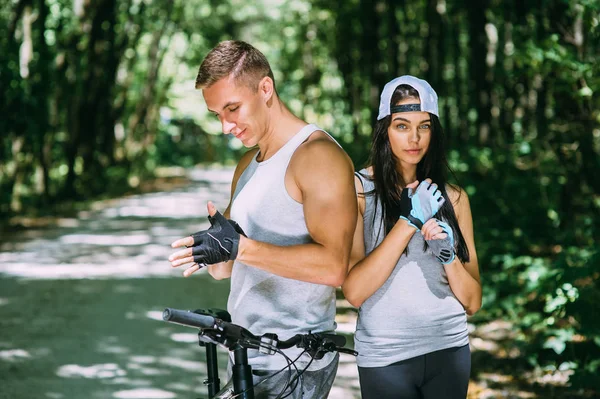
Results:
[184, 143]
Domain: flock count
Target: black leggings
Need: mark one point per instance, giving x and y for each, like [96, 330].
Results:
[441, 374]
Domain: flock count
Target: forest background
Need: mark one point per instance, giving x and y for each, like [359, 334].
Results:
[97, 97]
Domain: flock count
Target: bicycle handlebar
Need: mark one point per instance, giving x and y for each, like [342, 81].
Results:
[188, 318]
[228, 333]
[337, 340]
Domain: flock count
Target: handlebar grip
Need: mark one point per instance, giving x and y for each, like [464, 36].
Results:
[188, 318]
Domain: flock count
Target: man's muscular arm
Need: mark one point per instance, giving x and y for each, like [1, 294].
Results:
[323, 173]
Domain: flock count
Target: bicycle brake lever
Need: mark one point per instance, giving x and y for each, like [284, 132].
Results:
[210, 336]
[347, 350]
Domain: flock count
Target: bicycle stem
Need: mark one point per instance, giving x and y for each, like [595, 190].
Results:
[242, 372]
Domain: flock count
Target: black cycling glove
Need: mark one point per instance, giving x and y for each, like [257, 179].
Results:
[219, 243]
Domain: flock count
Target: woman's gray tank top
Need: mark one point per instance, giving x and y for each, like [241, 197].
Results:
[414, 312]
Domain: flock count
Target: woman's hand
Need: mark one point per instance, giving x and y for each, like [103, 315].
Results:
[420, 205]
[440, 238]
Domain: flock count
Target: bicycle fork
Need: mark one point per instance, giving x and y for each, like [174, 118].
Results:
[212, 382]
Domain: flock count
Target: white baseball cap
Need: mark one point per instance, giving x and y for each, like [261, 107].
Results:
[428, 97]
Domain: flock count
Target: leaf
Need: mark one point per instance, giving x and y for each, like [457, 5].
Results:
[555, 344]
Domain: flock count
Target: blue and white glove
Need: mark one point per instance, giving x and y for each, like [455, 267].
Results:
[420, 205]
[443, 249]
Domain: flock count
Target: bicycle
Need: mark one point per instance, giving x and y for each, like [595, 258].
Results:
[216, 329]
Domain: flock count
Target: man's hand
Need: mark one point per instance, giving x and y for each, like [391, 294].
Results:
[420, 205]
[440, 238]
[217, 244]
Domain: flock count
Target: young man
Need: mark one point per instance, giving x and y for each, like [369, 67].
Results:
[294, 201]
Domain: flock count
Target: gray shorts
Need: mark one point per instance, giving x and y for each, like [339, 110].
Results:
[314, 385]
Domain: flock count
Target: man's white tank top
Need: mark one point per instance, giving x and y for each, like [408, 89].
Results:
[261, 301]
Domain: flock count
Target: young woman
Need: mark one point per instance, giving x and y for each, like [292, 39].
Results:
[414, 276]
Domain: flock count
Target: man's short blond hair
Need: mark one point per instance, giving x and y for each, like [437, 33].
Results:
[239, 59]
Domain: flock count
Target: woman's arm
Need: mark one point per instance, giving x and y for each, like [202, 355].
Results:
[368, 274]
[464, 278]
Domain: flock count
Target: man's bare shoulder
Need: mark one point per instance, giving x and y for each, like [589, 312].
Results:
[320, 147]
[319, 135]
[321, 159]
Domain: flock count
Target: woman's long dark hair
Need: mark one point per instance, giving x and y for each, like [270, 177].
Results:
[434, 165]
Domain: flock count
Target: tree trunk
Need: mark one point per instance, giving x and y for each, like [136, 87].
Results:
[480, 87]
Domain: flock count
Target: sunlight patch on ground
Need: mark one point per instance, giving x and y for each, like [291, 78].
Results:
[555, 378]
[138, 211]
[198, 387]
[480, 390]
[97, 371]
[196, 367]
[495, 377]
[145, 370]
[496, 394]
[120, 268]
[104, 239]
[125, 289]
[143, 359]
[154, 315]
[177, 206]
[104, 348]
[144, 393]
[43, 221]
[218, 174]
[183, 337]
[14, 354]
[129, 381]
[483, 345]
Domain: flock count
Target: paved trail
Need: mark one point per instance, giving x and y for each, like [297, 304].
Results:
[121, 240]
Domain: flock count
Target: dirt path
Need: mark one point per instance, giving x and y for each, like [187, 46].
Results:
[81, 298]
